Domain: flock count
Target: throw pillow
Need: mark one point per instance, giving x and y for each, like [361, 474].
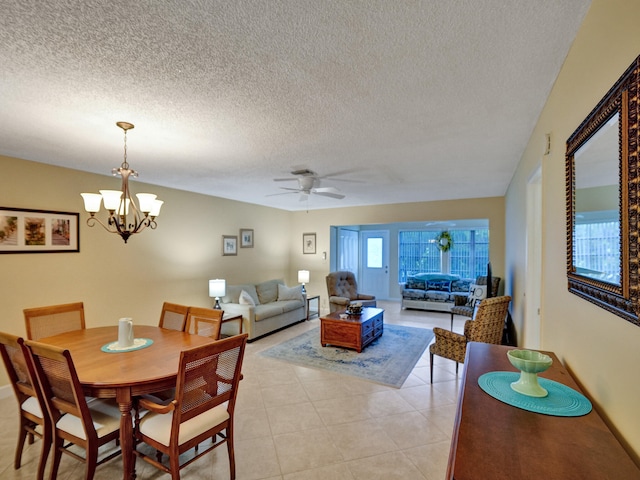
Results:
[289, 293]
[245, 299]
[476, 293]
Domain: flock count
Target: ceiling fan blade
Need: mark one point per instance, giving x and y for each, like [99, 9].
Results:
[284, 179]
[326, 190]
[283, 193]
[291, 189]
[330, 194]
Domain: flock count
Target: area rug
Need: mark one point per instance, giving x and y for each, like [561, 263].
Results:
[387, 360]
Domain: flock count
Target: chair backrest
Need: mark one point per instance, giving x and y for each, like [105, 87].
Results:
[43, 322]
[342, 284]
[173, 316]
[16, 366]
[205, 322]
[208, 376]
[495, 283]
[488, 323]
[59, 383]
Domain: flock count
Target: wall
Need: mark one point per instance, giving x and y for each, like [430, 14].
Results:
[600, 349]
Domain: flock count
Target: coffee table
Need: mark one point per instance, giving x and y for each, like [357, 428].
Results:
[353, 331]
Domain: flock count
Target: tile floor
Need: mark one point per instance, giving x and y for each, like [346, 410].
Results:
[296, 423]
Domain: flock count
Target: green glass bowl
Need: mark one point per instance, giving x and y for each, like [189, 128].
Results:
[530, 363]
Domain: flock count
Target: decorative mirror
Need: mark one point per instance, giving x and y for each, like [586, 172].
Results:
[602, 201]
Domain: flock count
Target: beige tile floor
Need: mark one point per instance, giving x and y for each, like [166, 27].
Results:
[296, 423]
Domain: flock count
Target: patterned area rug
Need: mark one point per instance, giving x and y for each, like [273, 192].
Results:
[387, 360]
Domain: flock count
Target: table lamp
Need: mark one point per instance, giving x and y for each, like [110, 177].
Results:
[217, 289]
[303, 277]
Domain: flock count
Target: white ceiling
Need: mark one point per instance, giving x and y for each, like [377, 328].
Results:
[397, 100]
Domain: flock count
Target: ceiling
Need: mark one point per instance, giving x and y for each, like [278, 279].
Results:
[395, 101]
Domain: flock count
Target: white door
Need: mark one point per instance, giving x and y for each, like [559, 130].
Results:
[374, 278]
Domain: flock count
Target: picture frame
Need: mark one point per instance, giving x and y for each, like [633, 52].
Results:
[24, 230]
[229, 245]
[246, 238]
[308, 243]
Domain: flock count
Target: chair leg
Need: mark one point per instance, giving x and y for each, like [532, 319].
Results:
[232, 455]
[431, 366]
[451, 322]
[22, 436]
[44, 453]
[456, 368]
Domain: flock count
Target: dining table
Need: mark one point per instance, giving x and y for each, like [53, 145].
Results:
[124, 375]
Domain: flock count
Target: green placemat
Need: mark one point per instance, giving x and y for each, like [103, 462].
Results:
[562, 401]
[138, 343]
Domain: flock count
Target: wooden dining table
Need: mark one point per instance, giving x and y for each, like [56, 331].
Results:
[125, 375]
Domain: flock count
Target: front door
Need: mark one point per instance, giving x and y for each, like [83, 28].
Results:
[374, 278]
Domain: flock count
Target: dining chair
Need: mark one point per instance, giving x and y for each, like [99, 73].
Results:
[88, 425]
[486, 326]
[173, 316]
[203, 407]
[205, 322]
[54, 319]
[33, 422]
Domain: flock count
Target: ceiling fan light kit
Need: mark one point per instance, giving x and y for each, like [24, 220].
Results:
[308, 184]
[125, 217]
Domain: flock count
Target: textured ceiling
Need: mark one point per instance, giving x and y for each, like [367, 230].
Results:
[395, 100]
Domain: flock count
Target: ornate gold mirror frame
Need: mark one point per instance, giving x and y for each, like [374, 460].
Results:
[589, 161]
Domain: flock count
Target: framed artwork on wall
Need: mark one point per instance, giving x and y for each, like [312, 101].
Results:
[229, 245]
[308, 243]
[246, 238]
[38, 231]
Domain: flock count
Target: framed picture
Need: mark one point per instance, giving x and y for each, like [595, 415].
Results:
[229, 245]
[308, 243]
[38, 231]
[246, 238]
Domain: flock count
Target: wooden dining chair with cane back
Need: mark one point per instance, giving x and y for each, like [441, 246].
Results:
[34, 421]
[486, 326]
[173, 316]
[205, 322]
[202, 410]
[74, 421]
[54, 319]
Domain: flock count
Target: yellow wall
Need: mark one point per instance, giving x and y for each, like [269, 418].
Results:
[600, 349]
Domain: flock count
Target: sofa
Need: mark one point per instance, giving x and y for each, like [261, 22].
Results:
[265, 307]
[434, 291]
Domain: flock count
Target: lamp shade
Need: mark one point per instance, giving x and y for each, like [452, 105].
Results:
[303, 276]
[217, 288]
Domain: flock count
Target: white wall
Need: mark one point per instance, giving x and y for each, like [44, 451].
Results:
[600, 349]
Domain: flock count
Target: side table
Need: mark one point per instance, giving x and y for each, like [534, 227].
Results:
[226, 319]
[316, 312]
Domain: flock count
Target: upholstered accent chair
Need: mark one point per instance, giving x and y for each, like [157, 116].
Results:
[343, 290]
[462, 307]
[486, 327]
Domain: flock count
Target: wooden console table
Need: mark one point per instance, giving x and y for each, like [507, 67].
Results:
[493, 440]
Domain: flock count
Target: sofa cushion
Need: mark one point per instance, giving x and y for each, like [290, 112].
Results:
[290, 305]
[268, 310]
[268, 291]
[461, 285]
[439, 285]
[289, 293]
[416, 283]
[233, 293]
[246, 299]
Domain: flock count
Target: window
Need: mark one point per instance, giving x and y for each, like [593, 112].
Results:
[597, 245]
[418, 253]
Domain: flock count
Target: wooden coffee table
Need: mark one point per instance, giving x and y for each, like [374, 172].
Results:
[354, 331]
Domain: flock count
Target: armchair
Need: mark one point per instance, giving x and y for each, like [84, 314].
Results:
[486, 327]
[343, 290]
[460, 306]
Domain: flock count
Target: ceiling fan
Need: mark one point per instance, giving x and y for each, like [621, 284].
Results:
[308, 184]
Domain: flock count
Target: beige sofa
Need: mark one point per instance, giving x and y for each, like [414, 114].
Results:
[265, 307]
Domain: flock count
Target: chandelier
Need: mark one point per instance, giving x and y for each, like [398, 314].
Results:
[125, 217]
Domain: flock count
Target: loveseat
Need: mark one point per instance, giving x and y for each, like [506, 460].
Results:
[434, 291]
[265, 307]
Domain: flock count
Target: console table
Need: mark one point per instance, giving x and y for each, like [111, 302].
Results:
[493, 440]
